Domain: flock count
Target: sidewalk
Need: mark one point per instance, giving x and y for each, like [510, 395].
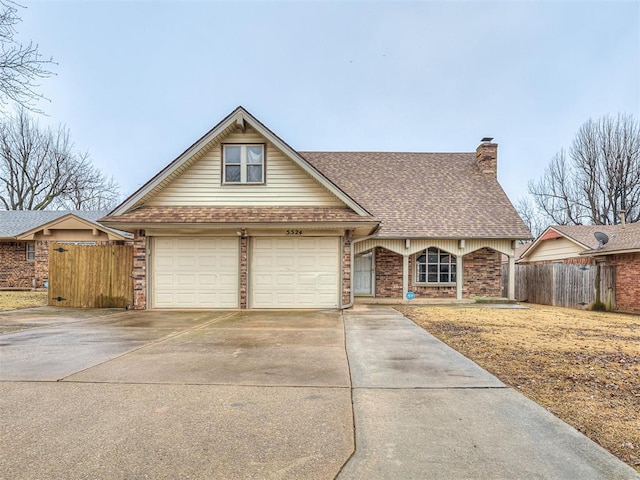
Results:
[424, 411]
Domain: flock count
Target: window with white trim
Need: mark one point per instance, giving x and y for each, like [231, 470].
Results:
[243, 163]
[435, 266]
[31, 251]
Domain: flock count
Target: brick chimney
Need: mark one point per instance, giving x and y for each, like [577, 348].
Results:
[487, 157]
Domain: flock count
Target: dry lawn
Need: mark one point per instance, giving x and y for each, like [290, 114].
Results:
[10, 300]
[582, 366]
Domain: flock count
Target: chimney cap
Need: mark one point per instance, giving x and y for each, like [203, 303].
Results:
[486, 139]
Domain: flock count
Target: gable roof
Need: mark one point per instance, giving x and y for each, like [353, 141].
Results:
[436, 195]
[236, 119]
[18, 223]
[622, 238]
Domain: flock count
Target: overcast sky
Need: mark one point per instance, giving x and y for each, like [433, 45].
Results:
[139, 81]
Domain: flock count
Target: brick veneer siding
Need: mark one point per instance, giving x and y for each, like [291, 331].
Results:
[243, 271]
[16, 271]
[388, 273]
[346, 268]
[482, 276]
[41, 270]
[627, 281]
[139, 270]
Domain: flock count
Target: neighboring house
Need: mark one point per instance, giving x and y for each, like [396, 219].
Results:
[25, 236]
[242, 220]
[578, 244]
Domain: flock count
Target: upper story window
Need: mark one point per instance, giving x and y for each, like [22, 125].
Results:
[243, 163]
[435, 266]
[31, 251]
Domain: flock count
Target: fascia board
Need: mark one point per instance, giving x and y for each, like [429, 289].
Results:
[28, 235]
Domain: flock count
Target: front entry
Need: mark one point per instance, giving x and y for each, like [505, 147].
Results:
[363, 280]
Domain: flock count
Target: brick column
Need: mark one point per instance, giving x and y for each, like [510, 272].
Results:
[243, 271]
[346, 268]
[139, 270]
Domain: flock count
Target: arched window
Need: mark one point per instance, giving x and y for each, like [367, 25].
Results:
[435, 266]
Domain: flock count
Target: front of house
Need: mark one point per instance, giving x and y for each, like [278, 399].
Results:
[242, 220]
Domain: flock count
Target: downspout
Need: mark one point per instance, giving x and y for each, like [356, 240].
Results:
[353, 242]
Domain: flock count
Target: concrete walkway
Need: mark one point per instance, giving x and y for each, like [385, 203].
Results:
[424, 411]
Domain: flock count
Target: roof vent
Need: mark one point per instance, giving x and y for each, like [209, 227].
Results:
[602, 239]
[486, 139]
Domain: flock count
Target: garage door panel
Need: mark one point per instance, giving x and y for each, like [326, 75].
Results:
[298, 272]
[195, 272]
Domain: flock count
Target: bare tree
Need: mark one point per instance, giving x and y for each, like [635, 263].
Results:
[21, 66]
[600, 176]
[531, 216]
[39, 169]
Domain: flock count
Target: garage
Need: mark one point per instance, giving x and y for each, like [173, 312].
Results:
[295, 272]
[195, 272]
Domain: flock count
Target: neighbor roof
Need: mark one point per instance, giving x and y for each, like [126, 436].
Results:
[622, 238]
[16, 222]
[436, 195]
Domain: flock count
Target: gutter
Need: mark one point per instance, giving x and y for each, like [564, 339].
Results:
[368, 237]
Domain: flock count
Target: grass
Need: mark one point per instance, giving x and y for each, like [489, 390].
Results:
[11, 300]
[582, 366]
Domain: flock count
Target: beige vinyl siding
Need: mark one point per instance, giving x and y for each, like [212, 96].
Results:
[286, 183]
[554, 249]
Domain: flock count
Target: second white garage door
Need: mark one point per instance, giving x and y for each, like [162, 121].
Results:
[300, 272]
[195, 272]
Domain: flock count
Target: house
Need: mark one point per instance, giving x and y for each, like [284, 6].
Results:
[242, 220]
[564, 244]
[619, 247]
[25, 236]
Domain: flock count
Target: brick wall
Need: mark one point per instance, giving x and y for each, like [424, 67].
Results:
[243, 271]
[388, 273]
[482, 274]
[627, 281]
[15, 271]
[346, 268]
[139, 270]
[41, 264]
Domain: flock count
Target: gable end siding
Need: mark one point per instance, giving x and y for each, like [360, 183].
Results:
[286, 183]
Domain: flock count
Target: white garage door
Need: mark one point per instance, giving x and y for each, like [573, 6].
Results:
[195, 272]
[300, 272]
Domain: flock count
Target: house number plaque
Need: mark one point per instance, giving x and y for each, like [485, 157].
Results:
[294, 232]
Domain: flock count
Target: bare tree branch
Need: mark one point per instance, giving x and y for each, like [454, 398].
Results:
[601, 178]
[39, 169]
[21, 66]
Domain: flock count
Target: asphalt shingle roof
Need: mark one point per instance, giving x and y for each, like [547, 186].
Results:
[16, 222]
[441, 195]
[621, 237]
[205, 214]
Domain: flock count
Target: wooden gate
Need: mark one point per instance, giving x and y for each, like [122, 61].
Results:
[90, 276]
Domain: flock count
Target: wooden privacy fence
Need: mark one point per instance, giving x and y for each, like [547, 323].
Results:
[564, 285]
[90, 276]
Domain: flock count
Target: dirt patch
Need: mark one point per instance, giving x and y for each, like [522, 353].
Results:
[11, 300]
[584, 367]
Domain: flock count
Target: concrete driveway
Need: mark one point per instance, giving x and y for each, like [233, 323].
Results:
[265, 395]
[104, 394]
